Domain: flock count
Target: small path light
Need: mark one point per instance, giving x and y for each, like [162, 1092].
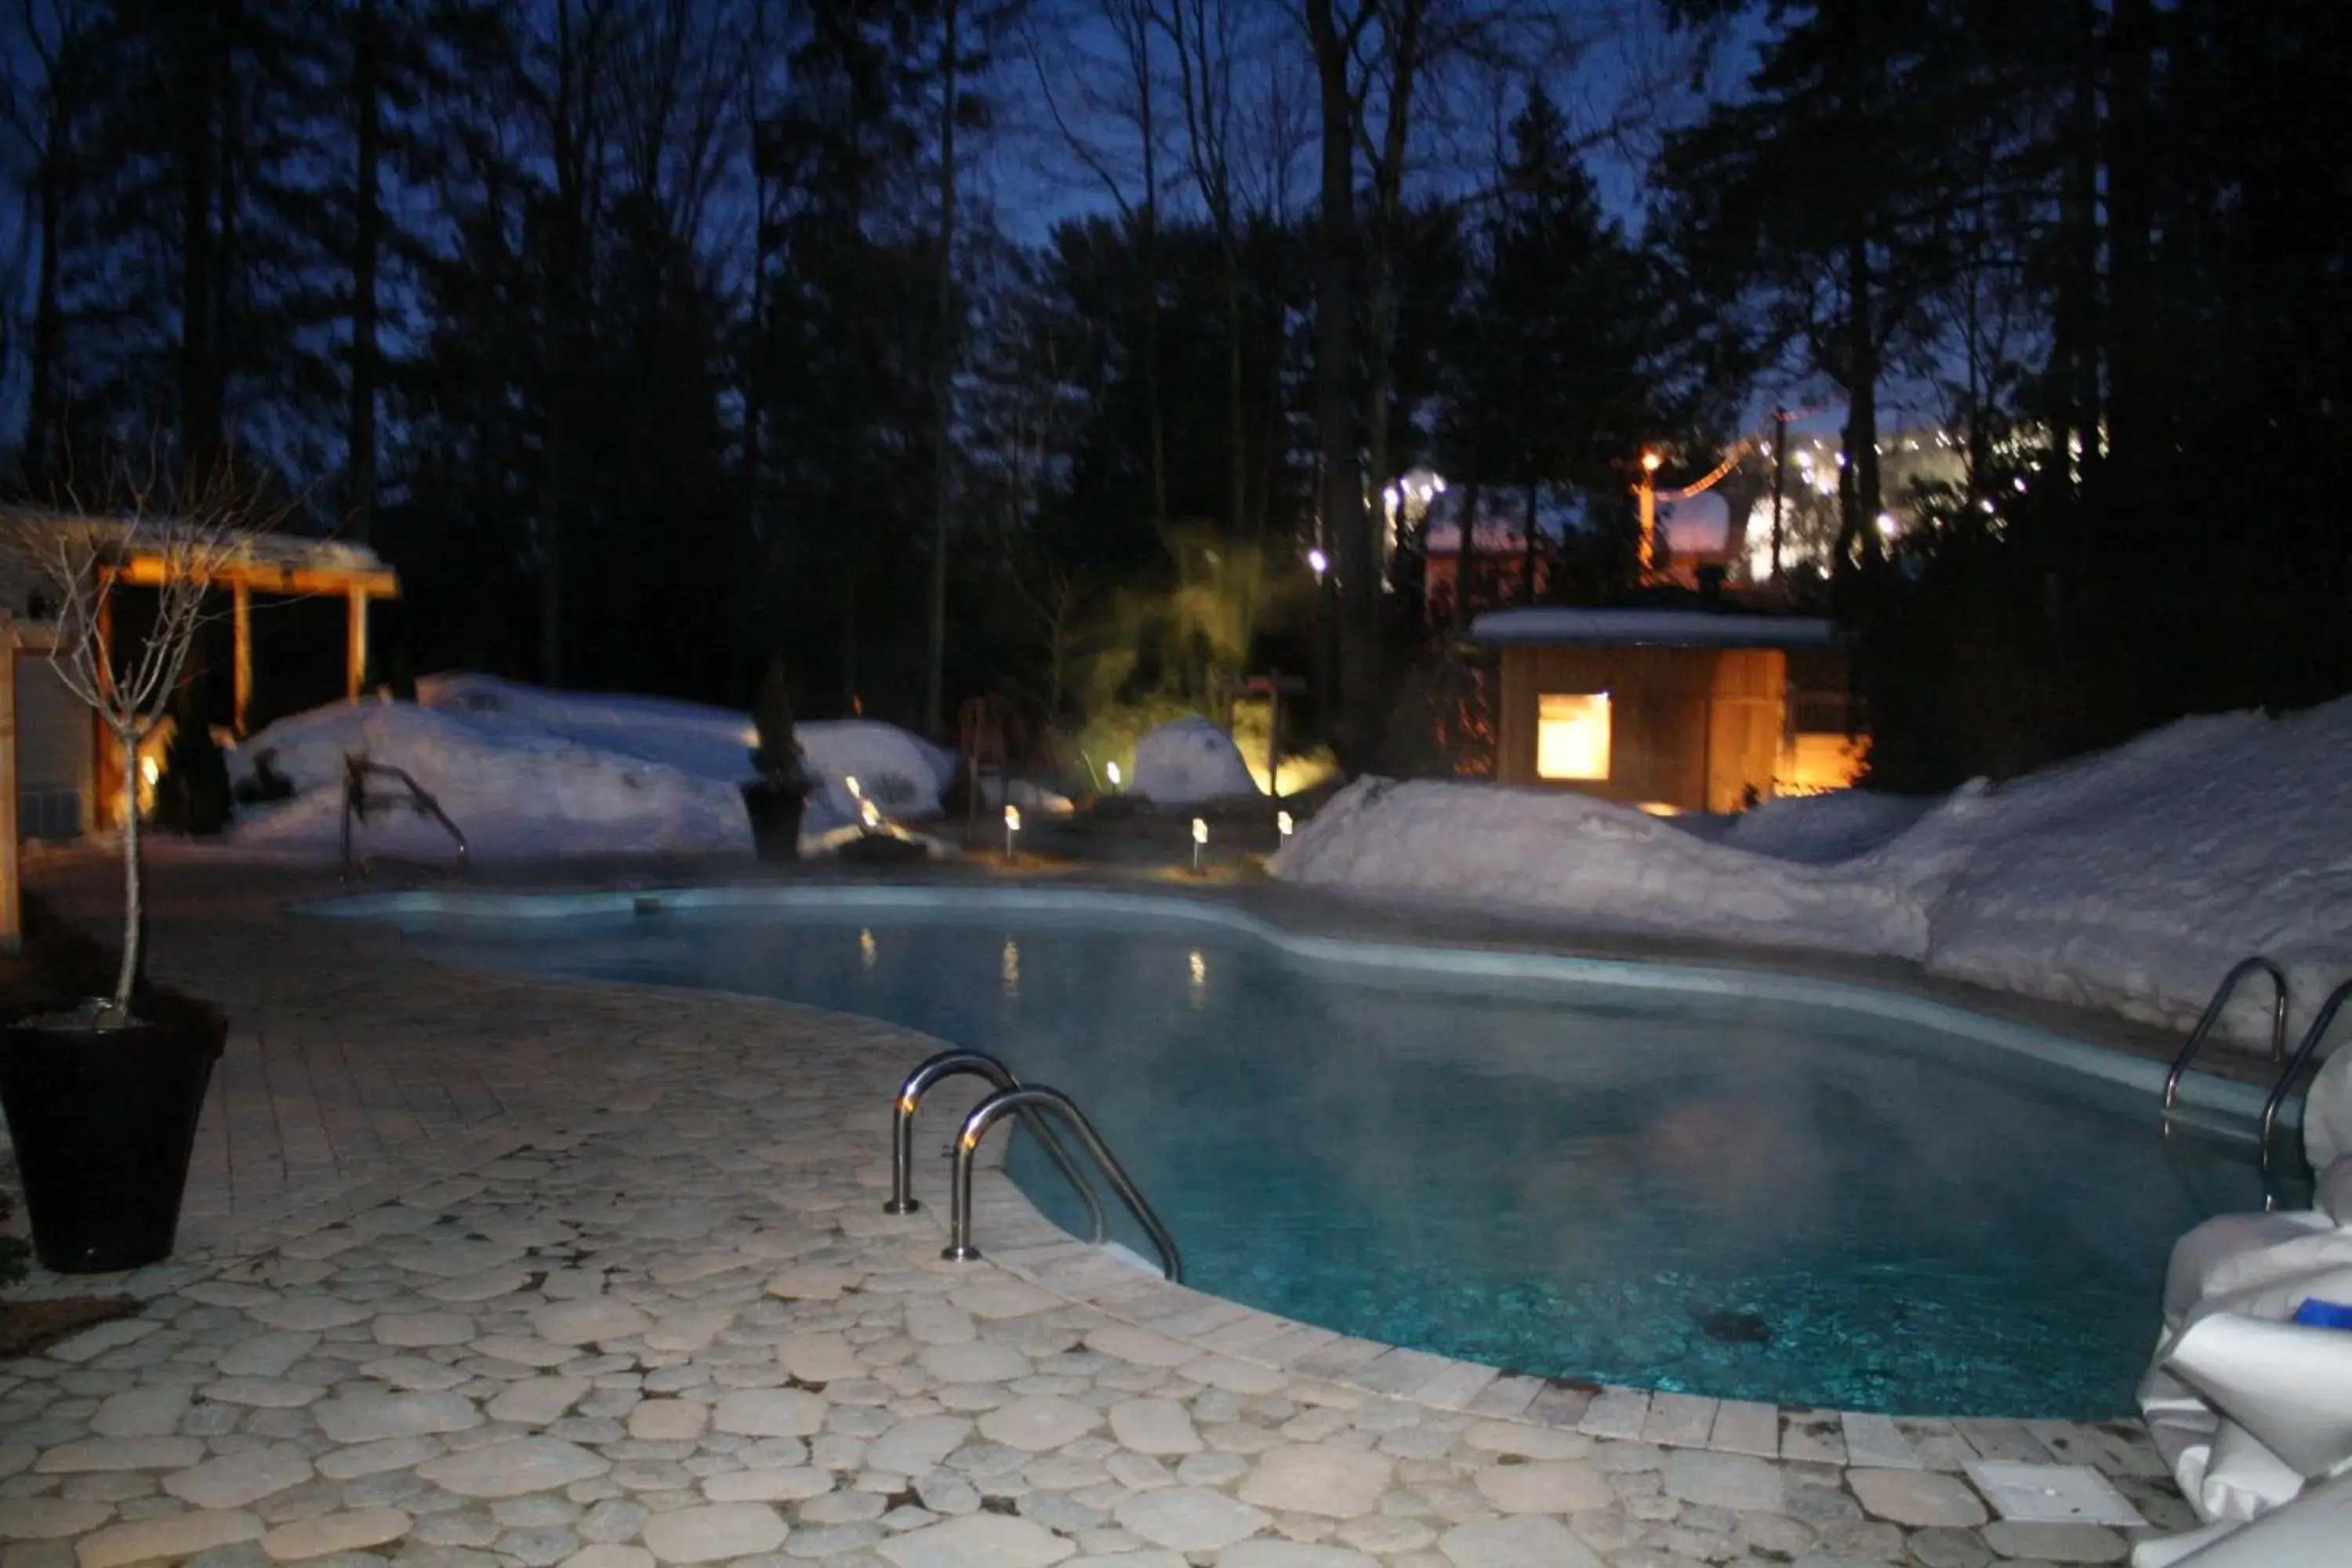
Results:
[1112, 770]
[868, 815]
[1283, 824]
[1199, 839]
[1012, 827]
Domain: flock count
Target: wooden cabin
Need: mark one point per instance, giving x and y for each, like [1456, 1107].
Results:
[1670, 710]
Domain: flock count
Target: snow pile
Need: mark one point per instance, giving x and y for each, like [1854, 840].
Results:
[902, 773]
[528, 772]
[1558, 853]
[2131, 880]
[512, 795]
[1190, 763]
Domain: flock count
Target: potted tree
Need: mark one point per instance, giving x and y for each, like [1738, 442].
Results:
[103, 1094]
[776, 799]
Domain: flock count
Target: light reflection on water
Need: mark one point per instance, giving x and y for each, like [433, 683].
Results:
[1729, 1197]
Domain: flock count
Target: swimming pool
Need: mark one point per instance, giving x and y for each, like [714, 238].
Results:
[1719, 1182]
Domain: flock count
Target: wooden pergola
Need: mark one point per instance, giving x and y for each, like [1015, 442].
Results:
[268, 564]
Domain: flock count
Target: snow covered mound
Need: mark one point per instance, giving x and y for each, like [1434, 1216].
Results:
[1190, 763]
[514, 795]
[898, 770]
[2130, 880]
[1550, 852]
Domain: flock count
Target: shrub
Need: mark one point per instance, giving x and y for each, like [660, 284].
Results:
[778, 758]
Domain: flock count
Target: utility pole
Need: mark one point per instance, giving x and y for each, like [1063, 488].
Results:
[1779, 481]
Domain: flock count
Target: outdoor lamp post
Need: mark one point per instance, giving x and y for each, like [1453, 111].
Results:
[1111, 770]
[1283, 824]
[1012, 827]
[1199, 839]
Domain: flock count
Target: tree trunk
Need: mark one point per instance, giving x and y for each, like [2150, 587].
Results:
[1343, 490]
[2132, 447]
[43, 419]
[1527, 548]
[367, 236]
[134, 906]
[942, 387]
[1858, 483]
[1465, 561]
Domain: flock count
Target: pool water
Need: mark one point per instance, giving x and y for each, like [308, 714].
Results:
[1726, 1196]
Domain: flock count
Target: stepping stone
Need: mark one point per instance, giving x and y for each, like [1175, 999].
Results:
[419, 1330]
[1266, 1554]
[999, 1298]
[794, 1483]
[1154, 1426]
[511, 1469]
[526, 1349]
[605, 1554]
[140, 1413]
[1314, 1477]
[1545, 1486]
[1189, 1519]
[2055, 1543]
[1917, 1498]
[915, 1446]
[415, 1374]
[978, 1541]
[1529, 1541]
[976, 1361]
[328, 1533]
[232, 1480]
[263, 1393]
[1040, 1423]
[591, 1321]
[172, 1536]
[454, 1260]
[812, 1283]
[48, 1518]
[769, 1413]
[1527, 1442]
[536, 1401]
[93, 1342]
[934, 1322]
[307, 1314]
[669, 1421]
[1124, 1341]
[1724, 1480]
[120, 1453]
[363, 1417]
[711, 1532]
[818, 1358]
[374, 1459]
[267, 1355]
[689, 1332]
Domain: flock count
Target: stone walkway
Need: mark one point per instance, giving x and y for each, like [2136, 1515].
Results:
[483, 1271]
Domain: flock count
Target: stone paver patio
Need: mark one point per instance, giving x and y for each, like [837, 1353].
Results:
[481, 1270]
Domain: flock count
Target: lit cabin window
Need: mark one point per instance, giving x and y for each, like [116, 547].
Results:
[1572, 735]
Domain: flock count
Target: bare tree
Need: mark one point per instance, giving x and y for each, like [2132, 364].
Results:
[174, 538]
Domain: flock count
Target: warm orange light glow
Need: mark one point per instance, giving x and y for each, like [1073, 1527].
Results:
[1572, 735]
[1651, 462]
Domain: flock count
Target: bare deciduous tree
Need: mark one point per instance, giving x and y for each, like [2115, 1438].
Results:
[146, 531]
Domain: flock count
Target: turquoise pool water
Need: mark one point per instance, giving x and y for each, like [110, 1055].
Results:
[1732, 1195]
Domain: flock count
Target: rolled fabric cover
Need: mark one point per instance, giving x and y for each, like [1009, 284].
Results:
[2289, 1387]
[2334, 1196]
[2237, 1253]
[2314, 1530]
[2327, 1113]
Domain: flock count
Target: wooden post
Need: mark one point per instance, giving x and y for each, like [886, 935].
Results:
[12, 905]
[243, 662]
[356, 646]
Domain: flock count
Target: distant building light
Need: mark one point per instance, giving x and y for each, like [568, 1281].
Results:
[1572, 735]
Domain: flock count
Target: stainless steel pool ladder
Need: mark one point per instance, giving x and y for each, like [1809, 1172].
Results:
[2212, 1016]
[2303, 1051]
[1012, 1098]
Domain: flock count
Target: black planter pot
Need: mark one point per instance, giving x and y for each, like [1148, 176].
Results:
[775, 819]
[104, 1122]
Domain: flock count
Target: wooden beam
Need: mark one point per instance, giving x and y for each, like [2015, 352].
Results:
[242, 623]
[11, 862]
[147, 571]
[355, 652]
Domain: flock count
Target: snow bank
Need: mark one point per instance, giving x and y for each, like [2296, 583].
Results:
[529, 772]
[1190, 763]
[513, 796]
[1550, 852]
[2130, 880]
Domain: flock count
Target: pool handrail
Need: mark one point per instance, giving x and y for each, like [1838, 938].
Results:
[2293, 1069]
[2212, 1016]
[977, 1064]
[1010, 1101]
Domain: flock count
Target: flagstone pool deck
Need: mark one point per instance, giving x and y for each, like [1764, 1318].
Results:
[482, 1270]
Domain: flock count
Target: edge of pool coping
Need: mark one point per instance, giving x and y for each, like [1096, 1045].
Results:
[1439, 954]
[1021, 1241]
